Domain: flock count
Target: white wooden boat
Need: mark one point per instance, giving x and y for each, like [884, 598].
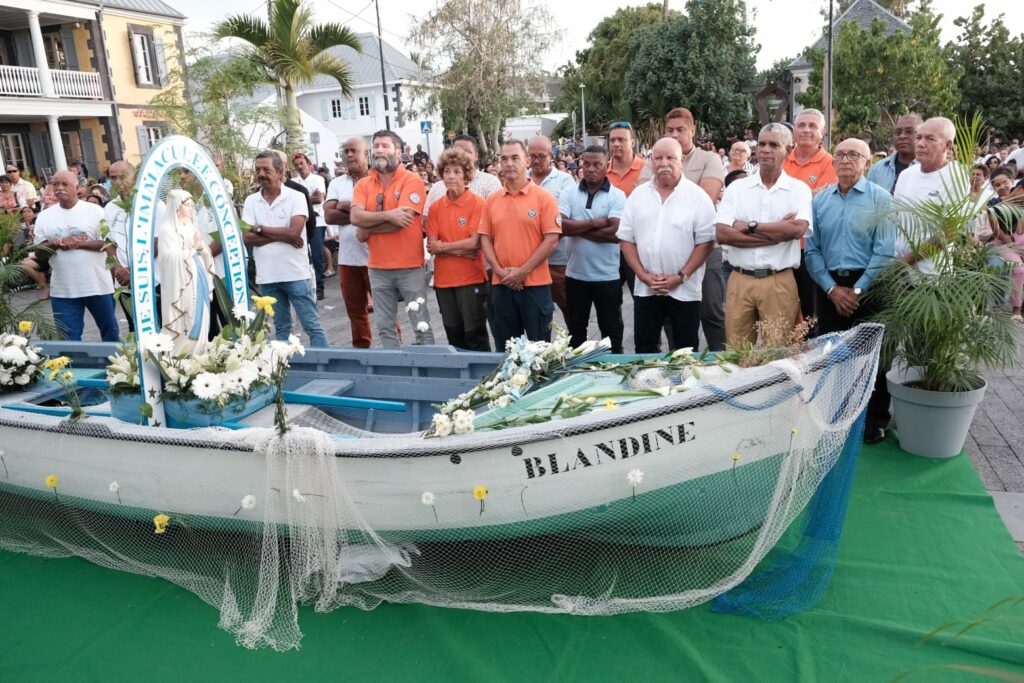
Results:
[710, 457]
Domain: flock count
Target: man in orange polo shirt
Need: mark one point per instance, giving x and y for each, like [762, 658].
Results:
[520, 226]
[810, 162]
[624, 169]
[386, 207]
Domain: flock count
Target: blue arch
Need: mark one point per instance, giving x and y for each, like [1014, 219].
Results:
[166, 156]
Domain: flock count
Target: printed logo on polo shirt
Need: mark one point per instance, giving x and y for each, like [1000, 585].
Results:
[532, 213]
[813, 179]
[462, 220]
[415, 197]
[398, 195]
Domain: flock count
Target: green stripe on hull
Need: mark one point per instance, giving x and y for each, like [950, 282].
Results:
[698, 512]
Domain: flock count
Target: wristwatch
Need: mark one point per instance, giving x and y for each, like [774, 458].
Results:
[683, 275]
[752, 227]
[258, 229]
[857, 291]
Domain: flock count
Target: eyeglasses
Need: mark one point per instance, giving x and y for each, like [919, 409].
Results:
[849, 156]
[12, 170]
[380, 202]
[620, 124]
[905, 131]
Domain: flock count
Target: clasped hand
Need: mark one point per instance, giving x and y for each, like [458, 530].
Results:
[845, 300]
[661, 283]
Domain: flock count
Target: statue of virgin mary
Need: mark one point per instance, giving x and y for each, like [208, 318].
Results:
[186, 287]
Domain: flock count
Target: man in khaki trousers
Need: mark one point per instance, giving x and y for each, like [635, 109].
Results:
[762, 219]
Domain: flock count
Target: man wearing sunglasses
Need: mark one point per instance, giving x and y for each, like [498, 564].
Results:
[852, 241]
[22, 187]
[386, 209]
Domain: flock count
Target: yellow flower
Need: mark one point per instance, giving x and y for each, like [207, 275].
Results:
[610, 404]
[51, 481]
[58, 363]
[793, 430]
[480, 492]
[160, 523]
[265, 304]
[67, 377]
[25, 326]
[735, 457]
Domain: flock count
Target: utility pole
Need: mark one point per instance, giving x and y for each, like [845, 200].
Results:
[383, 78]
[827, 81]
[583, 108]
[664, 10]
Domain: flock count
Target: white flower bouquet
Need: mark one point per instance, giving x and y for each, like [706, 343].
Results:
[20, 363]
[230, 369]
[123, 368]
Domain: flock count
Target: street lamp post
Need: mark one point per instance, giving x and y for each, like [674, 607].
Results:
[583, 107]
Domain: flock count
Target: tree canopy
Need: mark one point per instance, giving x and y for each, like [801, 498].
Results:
[486, 60]
[603, 65]
[876, 77]
[703, 60]
[992, 64]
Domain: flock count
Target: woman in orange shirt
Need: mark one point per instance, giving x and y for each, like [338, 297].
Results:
[460, 281]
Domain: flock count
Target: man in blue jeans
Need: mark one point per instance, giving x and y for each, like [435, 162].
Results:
[277, 216]
[69, 234]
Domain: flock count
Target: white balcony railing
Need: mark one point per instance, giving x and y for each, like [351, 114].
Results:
[23, 80]
[20, 80]
[77, 84]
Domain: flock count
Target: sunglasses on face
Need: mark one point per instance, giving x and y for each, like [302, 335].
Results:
[620, 124]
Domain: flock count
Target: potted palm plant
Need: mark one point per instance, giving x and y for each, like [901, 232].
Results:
[944, 308]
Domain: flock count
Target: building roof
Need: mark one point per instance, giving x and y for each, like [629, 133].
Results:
[864, 13]
[365, 66]
[156, 7]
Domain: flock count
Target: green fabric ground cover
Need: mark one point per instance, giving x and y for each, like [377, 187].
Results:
[923, 546]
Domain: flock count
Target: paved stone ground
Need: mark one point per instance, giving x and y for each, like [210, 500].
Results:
[995, 444]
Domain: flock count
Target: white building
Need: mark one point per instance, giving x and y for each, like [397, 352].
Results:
[365, 112]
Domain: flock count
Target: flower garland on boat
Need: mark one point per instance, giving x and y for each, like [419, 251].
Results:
[528, 363]
[531, 364]
[20, 363]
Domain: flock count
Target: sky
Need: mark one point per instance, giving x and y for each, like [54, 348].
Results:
[784, 27]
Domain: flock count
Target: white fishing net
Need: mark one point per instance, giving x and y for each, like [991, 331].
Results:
[654, 504]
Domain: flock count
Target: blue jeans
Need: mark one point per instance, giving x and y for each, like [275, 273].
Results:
[527, 311]
[297, 294]
[316, 248]
[69, 314]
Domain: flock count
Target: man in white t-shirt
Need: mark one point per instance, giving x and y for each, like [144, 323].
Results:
[933, 180]
[278, 215]
[761, 219]
[353, 275]
[314, 183]
[70, 231]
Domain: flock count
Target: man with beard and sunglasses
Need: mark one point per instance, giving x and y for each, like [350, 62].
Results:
[386, 209]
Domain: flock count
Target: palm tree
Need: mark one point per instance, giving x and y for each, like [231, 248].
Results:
[291, 50]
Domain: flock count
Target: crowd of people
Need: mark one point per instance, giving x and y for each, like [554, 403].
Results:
[778, 227]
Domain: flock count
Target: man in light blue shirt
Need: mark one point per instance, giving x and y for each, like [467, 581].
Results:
[852, 241]
[590, 219]
[543, 173]
[887, 171]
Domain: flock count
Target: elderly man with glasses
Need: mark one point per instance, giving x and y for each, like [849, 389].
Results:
[22, 187]
[852, 241]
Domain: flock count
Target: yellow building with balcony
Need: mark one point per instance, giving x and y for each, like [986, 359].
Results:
[76, 78]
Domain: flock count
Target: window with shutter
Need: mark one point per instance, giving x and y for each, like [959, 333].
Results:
[162, 76]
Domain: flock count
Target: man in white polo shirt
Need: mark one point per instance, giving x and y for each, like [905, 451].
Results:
[761, 219]
[69, 232]
[666, 233]
[277, 216]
